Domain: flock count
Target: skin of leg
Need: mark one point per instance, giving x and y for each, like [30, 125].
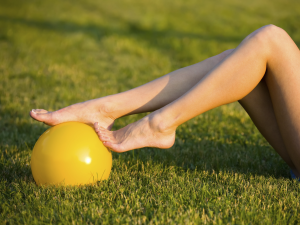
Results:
[283, 81]
[258, 105]
[231, 80]
[147, 98]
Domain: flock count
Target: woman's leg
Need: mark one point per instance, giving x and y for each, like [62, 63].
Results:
[145, 98]
[258, 105]
[269, 47]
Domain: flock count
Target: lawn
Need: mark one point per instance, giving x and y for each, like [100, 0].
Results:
[56, 53]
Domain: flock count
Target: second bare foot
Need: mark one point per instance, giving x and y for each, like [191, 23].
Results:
[146, 132]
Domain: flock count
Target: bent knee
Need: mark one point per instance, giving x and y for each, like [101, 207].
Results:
[268, 38]
[271, 35]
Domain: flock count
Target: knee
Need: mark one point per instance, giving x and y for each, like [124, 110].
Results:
[268, 39]
[271, 35]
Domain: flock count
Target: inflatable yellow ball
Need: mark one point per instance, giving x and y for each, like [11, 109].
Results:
[70, 154]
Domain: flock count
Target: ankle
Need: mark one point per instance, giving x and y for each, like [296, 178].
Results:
[160, 124]
[109, 108]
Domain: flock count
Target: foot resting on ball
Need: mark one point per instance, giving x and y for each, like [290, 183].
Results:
[146, 132]
[86, 112]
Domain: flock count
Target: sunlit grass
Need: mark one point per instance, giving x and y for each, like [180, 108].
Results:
[56, 53]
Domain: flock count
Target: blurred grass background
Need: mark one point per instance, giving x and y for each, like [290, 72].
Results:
[56, 53]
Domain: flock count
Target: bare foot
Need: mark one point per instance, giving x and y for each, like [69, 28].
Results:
[86, 112]
[143, 133]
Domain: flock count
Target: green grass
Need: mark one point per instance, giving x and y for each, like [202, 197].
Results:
[56, 53]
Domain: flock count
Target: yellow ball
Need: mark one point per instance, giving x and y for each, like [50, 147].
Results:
[70, 154]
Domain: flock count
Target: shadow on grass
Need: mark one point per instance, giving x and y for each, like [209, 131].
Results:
[213, 156]
[155, 38]
[18, 137]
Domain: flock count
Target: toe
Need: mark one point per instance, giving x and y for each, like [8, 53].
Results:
[39, 110]
[96, 126]
[102, 129]
[98, 134]
[43, 116]
[37, 114]
[104, 138]
[103, 132]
